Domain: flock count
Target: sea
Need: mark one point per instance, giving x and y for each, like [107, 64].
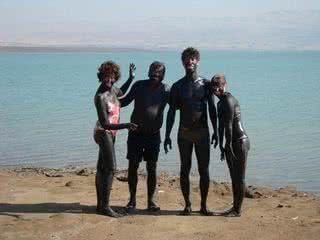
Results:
[47, 112]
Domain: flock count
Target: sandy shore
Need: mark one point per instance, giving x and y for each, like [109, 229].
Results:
[60, 204]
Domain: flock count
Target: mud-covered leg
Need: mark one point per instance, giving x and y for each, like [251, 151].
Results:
[104, 176]
[132, 183]
[151, 183]
[230, 162]
[202, 150]
[239, 175]
[185, 149]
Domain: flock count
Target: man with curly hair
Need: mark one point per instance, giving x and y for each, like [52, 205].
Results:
[108, 110]
[190, 95]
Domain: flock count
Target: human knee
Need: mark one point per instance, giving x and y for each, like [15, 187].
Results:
[133, 165]
[106, 171]
[185, 170]
[151, 167]
[203, 172]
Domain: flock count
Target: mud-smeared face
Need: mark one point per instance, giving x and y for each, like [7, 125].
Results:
[218, 83]
[156, 73]
[217, 91]
[190, 64]
[108, 81]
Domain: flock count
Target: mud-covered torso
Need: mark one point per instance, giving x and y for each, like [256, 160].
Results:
[111, 105]
[149, 104]
[229, 109]
[191, 98]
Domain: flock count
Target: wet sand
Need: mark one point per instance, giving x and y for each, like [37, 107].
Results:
[38, 203]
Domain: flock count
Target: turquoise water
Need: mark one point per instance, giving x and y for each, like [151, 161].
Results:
[47, 112]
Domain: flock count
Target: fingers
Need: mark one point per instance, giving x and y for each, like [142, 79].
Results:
[167, 142]
[165, 148]
[222, 157]
[132, 67]
[133, 127]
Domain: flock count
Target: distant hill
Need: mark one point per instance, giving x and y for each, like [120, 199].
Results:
[281, 30]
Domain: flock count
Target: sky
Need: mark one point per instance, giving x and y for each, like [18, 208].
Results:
[30, 11]
[25, 20]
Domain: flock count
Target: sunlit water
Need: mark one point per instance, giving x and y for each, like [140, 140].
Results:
[47, 112]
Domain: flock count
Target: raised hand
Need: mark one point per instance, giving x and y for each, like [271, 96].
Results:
[132, 69]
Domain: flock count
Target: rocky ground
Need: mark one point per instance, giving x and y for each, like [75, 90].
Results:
[40, 203]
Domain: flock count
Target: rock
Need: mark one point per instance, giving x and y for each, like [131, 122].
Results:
[122, 178]
[222, 188]
[84, 172]
[280, 206]
[53, 174]
[287, 190]
[252, 192]
[172, 180]
[316, 220]
[69, 184]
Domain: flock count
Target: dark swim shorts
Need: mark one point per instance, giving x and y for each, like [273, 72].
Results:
[146, 146]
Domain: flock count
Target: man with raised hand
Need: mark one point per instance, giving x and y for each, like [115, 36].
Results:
[150, 98]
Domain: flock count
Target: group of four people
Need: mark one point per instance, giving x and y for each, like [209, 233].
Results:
[193, 96]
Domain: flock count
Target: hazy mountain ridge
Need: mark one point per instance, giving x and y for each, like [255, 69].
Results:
[281, 30]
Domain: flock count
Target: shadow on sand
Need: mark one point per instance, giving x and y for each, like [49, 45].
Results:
[9, 209]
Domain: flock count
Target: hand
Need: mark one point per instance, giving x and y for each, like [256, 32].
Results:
[167, 142]
[214, 139]
[228, 147]
[132, 69]
[99, 132]
[132, 126]
[222, 157]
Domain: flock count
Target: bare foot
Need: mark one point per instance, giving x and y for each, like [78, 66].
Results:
[186, 211]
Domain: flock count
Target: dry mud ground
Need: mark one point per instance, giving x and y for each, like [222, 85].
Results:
[37, 203]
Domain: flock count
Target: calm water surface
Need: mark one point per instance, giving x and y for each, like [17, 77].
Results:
[47, 111]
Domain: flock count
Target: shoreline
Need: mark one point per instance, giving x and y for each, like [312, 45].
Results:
[48, 203]
[101, 49]
[194, 176]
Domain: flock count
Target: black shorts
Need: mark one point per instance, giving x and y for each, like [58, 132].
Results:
[146, 146]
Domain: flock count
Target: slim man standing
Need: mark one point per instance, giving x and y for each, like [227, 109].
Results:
[191, 95]
[150, 98]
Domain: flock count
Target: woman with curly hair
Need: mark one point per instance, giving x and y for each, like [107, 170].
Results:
[108, 110]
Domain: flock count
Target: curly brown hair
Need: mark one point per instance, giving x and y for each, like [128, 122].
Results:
[190, 52]
[109, 68]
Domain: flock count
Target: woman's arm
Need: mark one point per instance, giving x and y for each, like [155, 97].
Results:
[228, 115]
[213, 119]
[221, 135]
